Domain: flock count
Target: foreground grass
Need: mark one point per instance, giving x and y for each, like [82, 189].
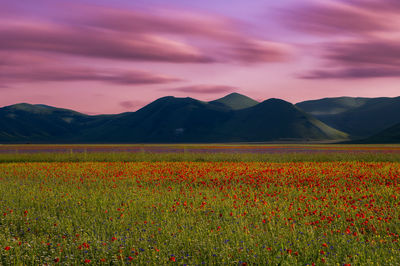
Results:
[199, 213]
[201, 157]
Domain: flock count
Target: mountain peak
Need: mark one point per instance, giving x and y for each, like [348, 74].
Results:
[236, 101]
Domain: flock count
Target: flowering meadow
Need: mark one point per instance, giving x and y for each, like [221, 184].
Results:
[198, 213]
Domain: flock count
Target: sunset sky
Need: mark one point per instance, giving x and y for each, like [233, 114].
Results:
[116, 56]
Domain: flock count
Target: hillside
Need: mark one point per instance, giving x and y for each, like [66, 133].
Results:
[40, 123]
[235, 101]
[389, 135]
[167, 120]
[360, 117]
[275, 119]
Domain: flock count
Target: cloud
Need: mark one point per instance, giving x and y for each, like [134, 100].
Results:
[364, 37]
[367, 52]
[161, 35]
[49, 73]
[390, 6]
[352, 73]
[48, 37]
[132, 104]
[359, 59]
[334, 17]
[238, 46]
[205, 89]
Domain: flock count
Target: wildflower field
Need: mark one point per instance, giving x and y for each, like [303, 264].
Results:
[194, 213]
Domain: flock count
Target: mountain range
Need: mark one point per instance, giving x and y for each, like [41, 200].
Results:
[233, 118]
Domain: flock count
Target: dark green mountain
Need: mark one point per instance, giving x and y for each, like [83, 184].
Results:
[235, 101]
[167, 119]
[41, 123]
[389, 135]
[276, 119]
[360, 117]
[171, 119]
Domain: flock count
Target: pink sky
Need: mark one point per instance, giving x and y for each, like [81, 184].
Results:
[97, 57]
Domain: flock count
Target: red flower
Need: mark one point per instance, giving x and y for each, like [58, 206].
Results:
[172, 258]
[56, 260]
[7, 248]
[87, 261]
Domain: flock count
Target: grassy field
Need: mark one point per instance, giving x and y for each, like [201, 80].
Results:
[199, 208]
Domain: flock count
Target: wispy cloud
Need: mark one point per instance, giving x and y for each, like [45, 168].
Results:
[134, 35]
[362, 37]
[205, 89]
[130, 105]
[31, 68]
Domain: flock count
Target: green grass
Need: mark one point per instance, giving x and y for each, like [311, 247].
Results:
[200, 157]
[199, 213]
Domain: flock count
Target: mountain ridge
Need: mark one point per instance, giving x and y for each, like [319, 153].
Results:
[357, 116]
[167, 119]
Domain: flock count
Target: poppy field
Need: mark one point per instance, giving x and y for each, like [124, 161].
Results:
[198, 213]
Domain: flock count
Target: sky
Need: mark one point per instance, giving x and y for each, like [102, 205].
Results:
[106, 57]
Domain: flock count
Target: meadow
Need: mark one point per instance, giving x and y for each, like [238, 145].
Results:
[118, 208]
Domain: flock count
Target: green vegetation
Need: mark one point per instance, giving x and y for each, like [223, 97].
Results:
[201, 157]
[212, 213]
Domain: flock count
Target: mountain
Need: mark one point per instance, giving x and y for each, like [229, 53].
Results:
[275, 119]
[41, 123]
[235, 101]
[389, 135]
[171, 119]
[360, 117]
[167, 120]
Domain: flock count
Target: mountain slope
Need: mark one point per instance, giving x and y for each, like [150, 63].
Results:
[360, 117]
[26, 122]
[389, 135]
[276, 119]
[167, 119]
[235, 101]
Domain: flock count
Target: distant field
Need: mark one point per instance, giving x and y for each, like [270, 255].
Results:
[199, 148]
[199, 152]
[199, 204]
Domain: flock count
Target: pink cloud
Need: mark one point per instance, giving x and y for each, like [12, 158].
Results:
[129, 105]
[136, 35]
[364, 39]
[353, 73]
[238, 46]
[49, 37]
[205, 89]
[368, 52]
[359, 59]
[21, 69]
[336, 18]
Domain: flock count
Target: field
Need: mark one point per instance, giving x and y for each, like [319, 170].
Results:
[339, 204]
